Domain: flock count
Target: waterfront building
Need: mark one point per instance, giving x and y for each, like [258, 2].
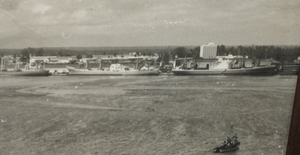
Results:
[53, 59]
[208, 51]
[131, 56]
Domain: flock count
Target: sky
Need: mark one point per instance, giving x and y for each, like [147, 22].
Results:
[90, 23]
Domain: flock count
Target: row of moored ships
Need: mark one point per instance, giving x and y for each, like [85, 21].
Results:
[223, 65]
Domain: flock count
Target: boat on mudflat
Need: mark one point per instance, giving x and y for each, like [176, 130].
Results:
[114, 70]
[228, 65]
[230, 145]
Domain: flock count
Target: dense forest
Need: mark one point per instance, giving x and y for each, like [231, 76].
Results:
[279, 53]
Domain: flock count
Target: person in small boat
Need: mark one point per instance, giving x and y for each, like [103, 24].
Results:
[229, 141]
[234, 139]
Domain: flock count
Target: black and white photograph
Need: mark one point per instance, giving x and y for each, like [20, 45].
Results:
[147, 77]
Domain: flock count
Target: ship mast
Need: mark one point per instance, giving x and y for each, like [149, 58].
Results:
[170, 55]
[17, 64]
[161, 62]
[100, 63]
[137, 64]
[2, 63]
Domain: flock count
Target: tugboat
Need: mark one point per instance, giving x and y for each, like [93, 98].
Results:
[231, 144]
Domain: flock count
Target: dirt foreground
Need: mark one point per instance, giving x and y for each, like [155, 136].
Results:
[108, 115]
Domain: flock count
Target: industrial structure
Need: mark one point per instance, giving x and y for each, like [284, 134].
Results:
[208, 51]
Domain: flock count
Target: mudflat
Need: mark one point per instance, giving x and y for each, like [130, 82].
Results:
[144, 115]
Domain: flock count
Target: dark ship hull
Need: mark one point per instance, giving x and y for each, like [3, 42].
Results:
[26, 73]
[84, 72]
[265, 70]
[223, 150]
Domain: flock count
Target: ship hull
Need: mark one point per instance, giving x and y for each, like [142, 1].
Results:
[113, 73]
[268, 70]
[223, 150]
[26, 73]
[85, 72]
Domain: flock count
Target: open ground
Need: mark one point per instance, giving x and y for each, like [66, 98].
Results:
[187, 115]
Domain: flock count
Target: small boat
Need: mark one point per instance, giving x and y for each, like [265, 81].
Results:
[58, 72]
[27, 71]
[114, 70]
[231, 144]
[225, 148]
[227, 65]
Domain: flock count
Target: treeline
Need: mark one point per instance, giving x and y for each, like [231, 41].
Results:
[282, 54]
[89, 52]
[279, 53]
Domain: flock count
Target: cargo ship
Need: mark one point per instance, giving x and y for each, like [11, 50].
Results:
[115, 69]
[227, 65]
[29, 70]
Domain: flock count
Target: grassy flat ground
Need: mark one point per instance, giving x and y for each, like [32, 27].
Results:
[107, 115]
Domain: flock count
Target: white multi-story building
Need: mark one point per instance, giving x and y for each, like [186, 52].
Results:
[208, 51]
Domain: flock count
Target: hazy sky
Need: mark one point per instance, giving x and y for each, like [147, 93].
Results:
[69, 23]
